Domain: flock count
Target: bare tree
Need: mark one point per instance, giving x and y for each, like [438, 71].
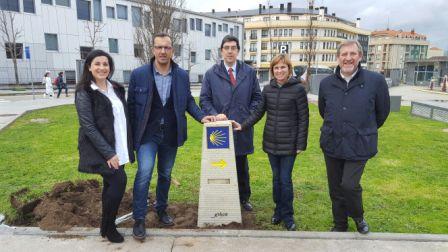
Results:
[310, 45]
[216, 55]
[93, 30]
[9, 35]
[158, 17]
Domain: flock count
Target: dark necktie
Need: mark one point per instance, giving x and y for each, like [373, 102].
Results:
[232, 78]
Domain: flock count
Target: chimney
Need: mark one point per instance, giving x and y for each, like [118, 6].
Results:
[289, 7]
[213, 11]
[358, 22]
[321, 11]
[333, 14]
[228, 9]
[264, 7]
[259, 8]
[326, 9]
[282, 7]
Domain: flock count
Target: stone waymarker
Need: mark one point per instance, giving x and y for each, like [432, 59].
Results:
[218, 196]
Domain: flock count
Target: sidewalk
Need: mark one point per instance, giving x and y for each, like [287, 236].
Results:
[82, 239]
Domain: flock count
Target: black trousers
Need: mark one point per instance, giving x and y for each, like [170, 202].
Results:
[344, 178]
[114, 186]
[60, 89]
[242, 172]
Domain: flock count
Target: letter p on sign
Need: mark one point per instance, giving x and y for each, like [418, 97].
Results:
[284, 49]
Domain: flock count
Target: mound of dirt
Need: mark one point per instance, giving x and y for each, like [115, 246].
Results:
[78, 204]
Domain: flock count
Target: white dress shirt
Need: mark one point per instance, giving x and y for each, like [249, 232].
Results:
[120, 127]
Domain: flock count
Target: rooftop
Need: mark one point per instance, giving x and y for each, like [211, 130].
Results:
[399, 34]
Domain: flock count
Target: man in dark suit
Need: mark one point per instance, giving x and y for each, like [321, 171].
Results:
[159, 96]
[230, 90]
[354, 104]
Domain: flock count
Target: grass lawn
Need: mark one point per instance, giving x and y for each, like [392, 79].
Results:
[405, 185]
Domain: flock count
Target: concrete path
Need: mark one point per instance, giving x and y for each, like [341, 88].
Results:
[11, 107]
[82, 239]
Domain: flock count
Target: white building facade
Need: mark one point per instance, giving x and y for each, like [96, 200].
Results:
[57, 35]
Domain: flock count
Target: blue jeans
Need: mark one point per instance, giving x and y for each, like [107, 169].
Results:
[282, 190]
[146, 156]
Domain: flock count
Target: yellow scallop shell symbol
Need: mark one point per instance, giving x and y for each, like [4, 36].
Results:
[217, 138]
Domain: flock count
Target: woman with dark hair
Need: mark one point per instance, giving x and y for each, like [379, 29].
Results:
[285, 133]
[104, 141]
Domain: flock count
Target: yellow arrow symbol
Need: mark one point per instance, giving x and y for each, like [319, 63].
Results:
[220, 164]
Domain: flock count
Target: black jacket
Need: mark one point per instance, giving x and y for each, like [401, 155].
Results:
[352, 114]
[286, 128]
[96, 139]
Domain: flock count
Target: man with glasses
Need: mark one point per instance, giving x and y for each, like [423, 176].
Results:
[159, 95]
[230, 91]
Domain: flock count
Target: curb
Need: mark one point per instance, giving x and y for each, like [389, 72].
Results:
[35, 231]
[430, 91]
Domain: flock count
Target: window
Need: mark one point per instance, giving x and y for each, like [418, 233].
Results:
[225, 27]
[264, 33]
[253, 34]
[198, 24]
[136, 16]
[84, 50]
[290, 32]
[9, 5]
[246, 20]
[264, 58]
[237, 31]
[253, 47]
[192, 24]
[264, 45]
[28, 6]
[97, 13]
[70, 76]
[277, 18]
[219, 27]
[110, 12]
[51, 42]
[231, 31]
[177, 50]
[83, 9]
[50, 2]
[126, 76]
[113, 45]
[208, 30]
[147, 18]
[18, 50]
[208, 54]
[65, 3]
[294, 17]
[138, 50]
[214, 29]
[266, 19]
[253, 58]
[179, 25]
[122, 12]
[193, 57]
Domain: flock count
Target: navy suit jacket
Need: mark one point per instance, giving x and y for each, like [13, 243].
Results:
[140, 95]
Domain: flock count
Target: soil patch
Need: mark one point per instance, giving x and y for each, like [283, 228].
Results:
[78, 204]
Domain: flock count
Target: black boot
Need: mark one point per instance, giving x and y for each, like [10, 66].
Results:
[103, 226]
[112, 233]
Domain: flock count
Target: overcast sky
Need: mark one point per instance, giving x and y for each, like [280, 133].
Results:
[428, 17]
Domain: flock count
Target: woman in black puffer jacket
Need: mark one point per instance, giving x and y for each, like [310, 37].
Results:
[285, 133]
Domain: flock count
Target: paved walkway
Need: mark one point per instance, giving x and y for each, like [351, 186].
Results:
[81, 239]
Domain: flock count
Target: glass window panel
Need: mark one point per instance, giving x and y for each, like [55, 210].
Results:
[51, 42]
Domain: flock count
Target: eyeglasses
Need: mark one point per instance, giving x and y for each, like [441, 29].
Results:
[167, 48]
[230, 48]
